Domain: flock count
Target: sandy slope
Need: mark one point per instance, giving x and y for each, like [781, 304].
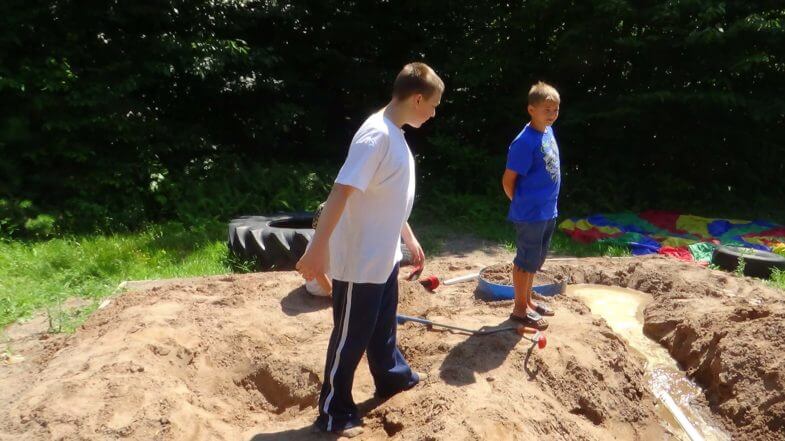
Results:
[241, 357]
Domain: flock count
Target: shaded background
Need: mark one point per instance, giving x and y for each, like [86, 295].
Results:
[117, 114]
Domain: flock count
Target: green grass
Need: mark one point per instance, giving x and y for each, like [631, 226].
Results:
[35, 275]
[778, 278]
[66, 320]
[485, 217]
[562, 244]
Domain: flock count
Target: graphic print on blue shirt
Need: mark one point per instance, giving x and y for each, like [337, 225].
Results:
[534, 155]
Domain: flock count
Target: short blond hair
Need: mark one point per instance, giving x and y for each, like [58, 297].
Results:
[416, 78]
[543, 92]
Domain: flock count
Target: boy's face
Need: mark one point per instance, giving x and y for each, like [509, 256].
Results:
[424, 108]
[544, 113]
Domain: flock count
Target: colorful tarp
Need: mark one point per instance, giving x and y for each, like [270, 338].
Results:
[683, 236]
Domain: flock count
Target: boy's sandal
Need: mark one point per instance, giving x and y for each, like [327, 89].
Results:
[544, 310]
[532, 320]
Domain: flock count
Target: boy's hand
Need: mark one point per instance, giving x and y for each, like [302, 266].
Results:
[411, 242]
[316, 260]
[325, 283]
[418, 255]
[508, 182]
[314, 263]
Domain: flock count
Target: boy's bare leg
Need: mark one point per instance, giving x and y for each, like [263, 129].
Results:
[541, 309]
[529, 302]
[522, 283]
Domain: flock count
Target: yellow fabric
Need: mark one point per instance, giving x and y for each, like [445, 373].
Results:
[609, 230]
[677, 242]
[567, 224]
[694, 225]
[584, 225]
[757, 240]
[779, 248]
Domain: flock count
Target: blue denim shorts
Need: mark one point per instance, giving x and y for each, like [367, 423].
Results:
[532, 240]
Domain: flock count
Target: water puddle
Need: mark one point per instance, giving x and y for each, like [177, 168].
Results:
[623, 310]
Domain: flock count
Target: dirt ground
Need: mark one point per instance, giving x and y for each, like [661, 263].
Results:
[727, 332]
[501, 274]
[241, 357]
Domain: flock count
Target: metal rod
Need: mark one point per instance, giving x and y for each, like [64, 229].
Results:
[464, 278]
[405, 318]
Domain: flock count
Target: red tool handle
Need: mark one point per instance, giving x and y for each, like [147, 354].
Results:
[538, 338]
[430, 283]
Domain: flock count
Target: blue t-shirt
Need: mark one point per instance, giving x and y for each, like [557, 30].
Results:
[534, 155]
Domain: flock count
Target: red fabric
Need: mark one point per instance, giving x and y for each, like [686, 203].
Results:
[681, 253]
[588, 236]
[662, 219]
[774, 232]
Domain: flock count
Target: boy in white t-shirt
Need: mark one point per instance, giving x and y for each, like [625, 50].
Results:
[357, 244]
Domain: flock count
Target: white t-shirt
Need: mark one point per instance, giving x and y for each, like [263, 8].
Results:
[365, 244]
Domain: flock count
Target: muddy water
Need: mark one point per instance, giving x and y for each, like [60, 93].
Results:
[622, 309]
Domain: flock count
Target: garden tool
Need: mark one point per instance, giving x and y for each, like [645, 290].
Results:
[537, 338]
[430, 282]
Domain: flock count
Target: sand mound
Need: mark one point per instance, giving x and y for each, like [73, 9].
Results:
[241, 357]
[728, 333]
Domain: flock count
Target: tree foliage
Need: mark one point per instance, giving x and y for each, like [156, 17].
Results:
[109, 111]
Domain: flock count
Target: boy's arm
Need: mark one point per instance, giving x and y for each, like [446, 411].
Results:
[315, 261]
[418, 255]
[508, 182]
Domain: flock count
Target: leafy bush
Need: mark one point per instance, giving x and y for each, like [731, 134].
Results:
[20, 218]
[41, 226]
[104, 110]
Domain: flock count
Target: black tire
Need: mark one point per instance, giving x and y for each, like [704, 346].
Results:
[757, 263]
[277, 242]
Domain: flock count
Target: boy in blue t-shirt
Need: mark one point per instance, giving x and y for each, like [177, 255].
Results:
[531, 181]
